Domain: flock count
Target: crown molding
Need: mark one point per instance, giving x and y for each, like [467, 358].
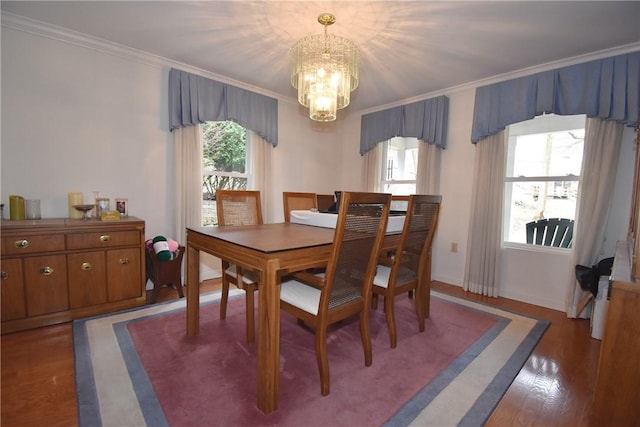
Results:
[566, 62]
[43, 29]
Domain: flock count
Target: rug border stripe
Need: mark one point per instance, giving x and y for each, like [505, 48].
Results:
[477, 414]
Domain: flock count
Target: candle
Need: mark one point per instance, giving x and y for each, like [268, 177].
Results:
[16, 208]
[75, 198]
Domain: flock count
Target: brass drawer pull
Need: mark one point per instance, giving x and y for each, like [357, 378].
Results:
[105, 238]
[3, 275]
[21, 244]
[124, 261]
[46, 271]
[85, 266]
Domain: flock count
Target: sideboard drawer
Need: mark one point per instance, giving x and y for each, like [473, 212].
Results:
[106, 239]
[20, 245]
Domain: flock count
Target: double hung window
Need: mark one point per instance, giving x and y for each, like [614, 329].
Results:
[544, 159]
[399, 166]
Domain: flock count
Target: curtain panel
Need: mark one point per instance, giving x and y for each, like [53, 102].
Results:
[426, 120]
[608, 89]
[195, 99]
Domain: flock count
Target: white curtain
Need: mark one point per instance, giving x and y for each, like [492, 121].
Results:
[428, 168]
[260, 153]
[372, 170]
[187, 154]
[599, 163]
[482, 269]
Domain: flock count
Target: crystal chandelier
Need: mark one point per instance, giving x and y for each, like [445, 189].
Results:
[324, 69]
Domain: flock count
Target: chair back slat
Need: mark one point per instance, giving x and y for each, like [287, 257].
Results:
[238, 207]
[555, 232]
[362, 221]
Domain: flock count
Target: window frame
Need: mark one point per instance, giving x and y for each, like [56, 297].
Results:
[384, 168]
[563, 123]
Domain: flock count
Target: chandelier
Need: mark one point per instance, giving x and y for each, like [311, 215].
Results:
[324, 69]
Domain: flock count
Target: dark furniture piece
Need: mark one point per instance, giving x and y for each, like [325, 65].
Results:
[164, 273]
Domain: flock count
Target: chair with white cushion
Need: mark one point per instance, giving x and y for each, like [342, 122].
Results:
[410, 263]
[344, 290]
[239, 207]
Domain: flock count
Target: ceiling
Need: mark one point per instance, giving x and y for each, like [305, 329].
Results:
[408, 48]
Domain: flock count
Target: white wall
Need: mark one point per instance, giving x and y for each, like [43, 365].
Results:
[78, 118]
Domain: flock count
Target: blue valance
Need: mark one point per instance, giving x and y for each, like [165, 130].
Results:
[195, 99]
[425, 120]
[608, 89]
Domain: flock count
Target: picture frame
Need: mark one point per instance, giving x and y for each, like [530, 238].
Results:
[122, 206]
[102, 205]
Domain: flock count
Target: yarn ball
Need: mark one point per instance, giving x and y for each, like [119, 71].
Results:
[161, 248]
[173, 245]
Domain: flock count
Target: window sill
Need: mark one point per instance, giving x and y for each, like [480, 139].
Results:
[535, 248]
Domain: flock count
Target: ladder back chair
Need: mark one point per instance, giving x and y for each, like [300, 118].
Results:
[410, 266]
[239, 207]
[345, 289]
[295, 201]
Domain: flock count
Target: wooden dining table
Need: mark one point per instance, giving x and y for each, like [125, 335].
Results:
[271, 250]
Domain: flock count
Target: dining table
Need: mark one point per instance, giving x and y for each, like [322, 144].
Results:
[271, 250]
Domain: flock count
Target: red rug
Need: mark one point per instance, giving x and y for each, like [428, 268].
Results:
[210, 380]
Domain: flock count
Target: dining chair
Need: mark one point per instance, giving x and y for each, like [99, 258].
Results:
[410, 263]
[297, 201]
[239, 207]
[325, 201]
[344, 290]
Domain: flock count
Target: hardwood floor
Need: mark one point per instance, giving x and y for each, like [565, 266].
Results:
[554, 388]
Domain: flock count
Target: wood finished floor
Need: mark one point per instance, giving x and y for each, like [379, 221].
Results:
[554, 388]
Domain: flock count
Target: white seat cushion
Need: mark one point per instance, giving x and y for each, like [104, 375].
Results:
[248, 276]
[382, 276]
[298, 294]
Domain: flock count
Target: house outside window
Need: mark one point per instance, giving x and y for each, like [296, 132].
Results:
[399, 166]
[544, 160]
[225, 157]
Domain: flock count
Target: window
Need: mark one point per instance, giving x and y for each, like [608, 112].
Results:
[544, 158]
[224, 163]
[399, 166]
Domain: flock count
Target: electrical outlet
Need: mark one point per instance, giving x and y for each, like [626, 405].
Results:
[454, 247]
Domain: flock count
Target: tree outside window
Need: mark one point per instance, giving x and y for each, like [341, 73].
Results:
[224, 163]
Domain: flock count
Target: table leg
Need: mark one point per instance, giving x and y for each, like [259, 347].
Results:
[269, 339]
[193, 290]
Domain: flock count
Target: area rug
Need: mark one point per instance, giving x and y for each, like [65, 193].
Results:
[138, 368]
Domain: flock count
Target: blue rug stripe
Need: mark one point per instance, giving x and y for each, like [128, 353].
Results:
[492, 395]
[88, 410]
[414, 407]
[149, 404]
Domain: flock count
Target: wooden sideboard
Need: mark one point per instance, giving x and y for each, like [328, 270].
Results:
[617, 394]
[57, 270]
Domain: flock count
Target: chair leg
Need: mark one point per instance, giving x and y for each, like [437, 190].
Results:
[322, 358]
[374, 301]
[365, 335]
[391, 320]
[156, 290]
[225, 297]
[249, 291]
[420, 311]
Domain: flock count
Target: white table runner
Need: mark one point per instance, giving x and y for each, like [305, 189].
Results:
[329, 220]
